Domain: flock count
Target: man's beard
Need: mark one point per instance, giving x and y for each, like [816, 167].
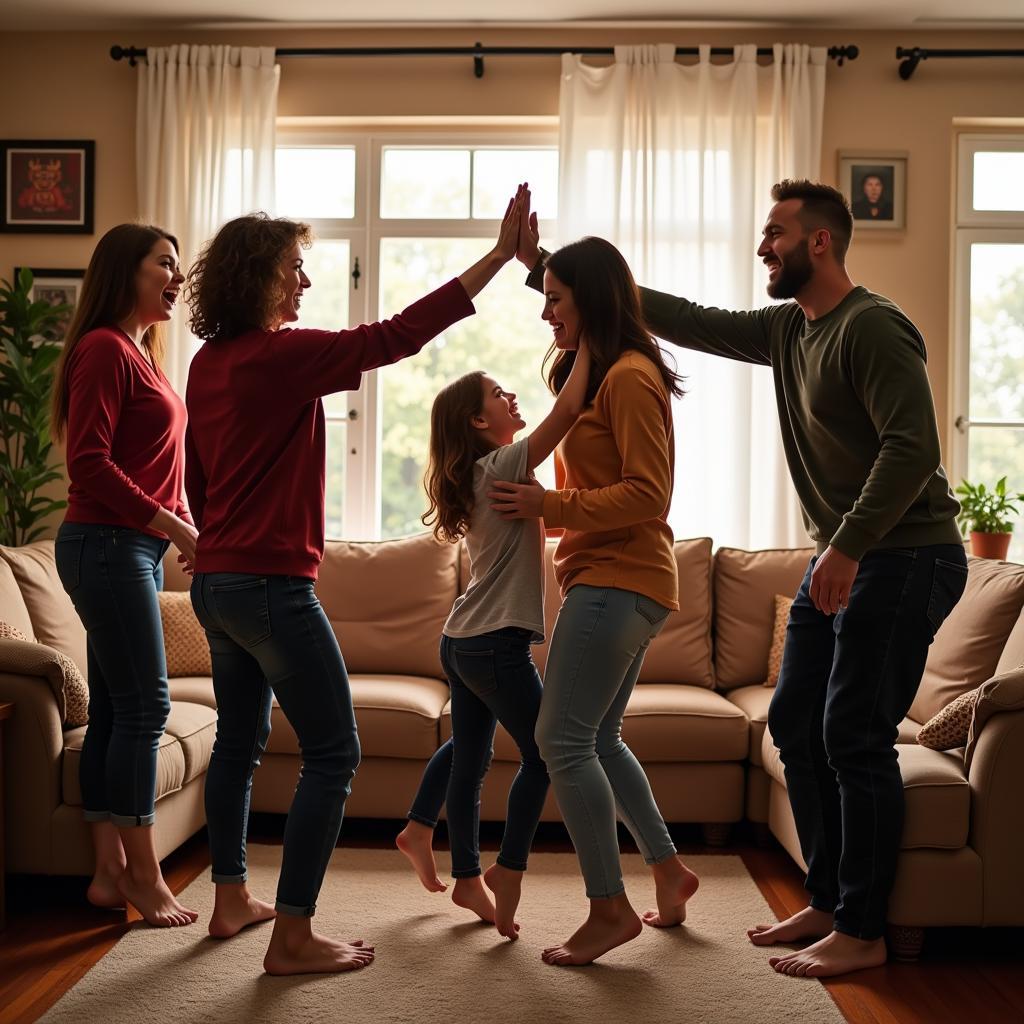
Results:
[794, 272]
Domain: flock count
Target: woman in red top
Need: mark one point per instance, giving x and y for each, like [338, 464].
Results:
[255, 479]
[125, 429]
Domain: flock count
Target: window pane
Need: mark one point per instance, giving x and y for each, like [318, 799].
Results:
[497, 172]
[334, 503]
[994, 452]
[999, 181]
[424, 183]
[997, 332]
[316, 182]
[506, 337]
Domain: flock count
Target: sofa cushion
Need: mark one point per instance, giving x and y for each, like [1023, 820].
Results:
[185, 644]
[663, 723]
[388, 600]
[396, 717]
[170, 766]
[754, 701]
[22, 656]
[1013, 650]
[54, 620]
[193, 690]
[745, 585]
[967, 647]
[938, 795]
[194, 726]
[949, 728]
[1002, 693]
[13, 609]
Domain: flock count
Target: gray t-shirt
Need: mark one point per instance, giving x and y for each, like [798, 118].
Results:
[506, 583]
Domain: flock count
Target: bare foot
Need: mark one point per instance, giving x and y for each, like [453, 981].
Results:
[835, 954]
[612, 922]
[236, 908]
[471, 894]
[507, 886]
[155, 902]
[804, 924]
[315, 954]
[416, 842]
[674, 884]
[103, 890]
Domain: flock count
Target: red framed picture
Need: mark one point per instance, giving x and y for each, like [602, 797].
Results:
[47, 187]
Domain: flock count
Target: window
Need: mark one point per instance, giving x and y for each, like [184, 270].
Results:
[394, 217]
[988, 368]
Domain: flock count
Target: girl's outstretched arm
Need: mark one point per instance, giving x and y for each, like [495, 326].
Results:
[568, 405]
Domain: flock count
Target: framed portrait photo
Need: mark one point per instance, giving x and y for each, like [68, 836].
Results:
[47, 187]
[57, 287]
[876, 185]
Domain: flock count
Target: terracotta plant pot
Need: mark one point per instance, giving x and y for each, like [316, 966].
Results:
[990, 545]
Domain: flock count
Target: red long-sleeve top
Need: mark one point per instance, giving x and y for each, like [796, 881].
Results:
[256, 439]
[125, 435]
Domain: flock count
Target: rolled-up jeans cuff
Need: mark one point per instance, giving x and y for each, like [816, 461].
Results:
[421, 820]
[466, 873]
[229, 879]
[511, 865]
[606, 895]
[133, 820]
[660, 858]
[290, 911]
[96, 815]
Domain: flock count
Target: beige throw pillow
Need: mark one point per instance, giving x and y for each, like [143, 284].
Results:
[782, 606]
[24, 656]
[948, 729]
[185, 644]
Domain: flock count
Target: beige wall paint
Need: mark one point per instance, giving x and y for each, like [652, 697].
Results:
[63, 85]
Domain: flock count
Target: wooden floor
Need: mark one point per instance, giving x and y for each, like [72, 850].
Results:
[975, 976]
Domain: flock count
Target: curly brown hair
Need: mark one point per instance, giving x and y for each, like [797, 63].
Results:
[235, 284]
[455, 445]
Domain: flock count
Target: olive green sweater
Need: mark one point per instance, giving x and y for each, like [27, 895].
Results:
[855, 408]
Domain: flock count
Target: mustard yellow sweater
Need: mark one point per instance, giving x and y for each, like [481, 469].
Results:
[615, 471]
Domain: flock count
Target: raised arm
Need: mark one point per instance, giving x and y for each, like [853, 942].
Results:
[568, 405]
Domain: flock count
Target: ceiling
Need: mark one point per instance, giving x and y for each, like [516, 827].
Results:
[121, 15]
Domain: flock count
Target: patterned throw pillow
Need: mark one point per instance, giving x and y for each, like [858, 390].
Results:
[782, 606]
[949, 729]
[188, 653]
[29, 657]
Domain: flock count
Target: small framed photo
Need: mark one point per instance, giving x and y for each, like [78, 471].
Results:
[876, 185]
[47, 187]
[57, 287]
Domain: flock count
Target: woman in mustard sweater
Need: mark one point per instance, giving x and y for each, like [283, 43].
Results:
[616, 568]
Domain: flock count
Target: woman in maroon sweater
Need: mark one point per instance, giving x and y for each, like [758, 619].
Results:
[125, 429]
[255, 479]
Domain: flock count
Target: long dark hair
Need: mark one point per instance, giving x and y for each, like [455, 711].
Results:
[455, 445]
[235, 284]
[108, 297]
[611, 319]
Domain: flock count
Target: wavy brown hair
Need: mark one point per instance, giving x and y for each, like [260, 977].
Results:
[455, 445]
[108, 297]
[235, 284]
[611, 319]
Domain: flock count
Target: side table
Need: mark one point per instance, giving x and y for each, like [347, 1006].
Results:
[6, 710]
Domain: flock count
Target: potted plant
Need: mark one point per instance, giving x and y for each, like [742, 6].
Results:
[985, 515]
[27, 366]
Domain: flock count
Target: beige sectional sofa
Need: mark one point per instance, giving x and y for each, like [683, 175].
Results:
[697, 719]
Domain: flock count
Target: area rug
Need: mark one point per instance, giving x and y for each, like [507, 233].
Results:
[436, 966]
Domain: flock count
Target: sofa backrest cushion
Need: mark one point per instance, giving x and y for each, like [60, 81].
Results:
[54, 619]
[13, 609]
[681, 653]
[745, 585]
[1013, 650]
[967, 647]
[387, 602]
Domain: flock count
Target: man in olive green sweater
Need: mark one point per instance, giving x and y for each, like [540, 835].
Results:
[859, 431]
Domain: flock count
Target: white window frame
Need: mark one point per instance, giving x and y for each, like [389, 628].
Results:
[361, 512]
[973, 227]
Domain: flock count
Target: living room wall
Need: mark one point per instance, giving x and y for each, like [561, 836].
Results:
[63, 85]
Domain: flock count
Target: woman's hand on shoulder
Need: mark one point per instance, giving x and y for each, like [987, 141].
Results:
[517, 501]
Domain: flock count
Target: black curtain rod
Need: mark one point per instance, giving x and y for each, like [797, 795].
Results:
[911, 56]
[478, 52]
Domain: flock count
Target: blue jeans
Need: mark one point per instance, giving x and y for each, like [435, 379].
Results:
[269, 636]
[493, 679]
[112, 575]
[597, 648]
[846, 683]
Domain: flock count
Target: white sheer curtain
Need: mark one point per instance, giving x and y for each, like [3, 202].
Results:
[206, 129]
[674, 164]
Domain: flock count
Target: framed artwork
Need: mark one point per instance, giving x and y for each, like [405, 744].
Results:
[47, 187]
[876, 185]
[56, 287]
